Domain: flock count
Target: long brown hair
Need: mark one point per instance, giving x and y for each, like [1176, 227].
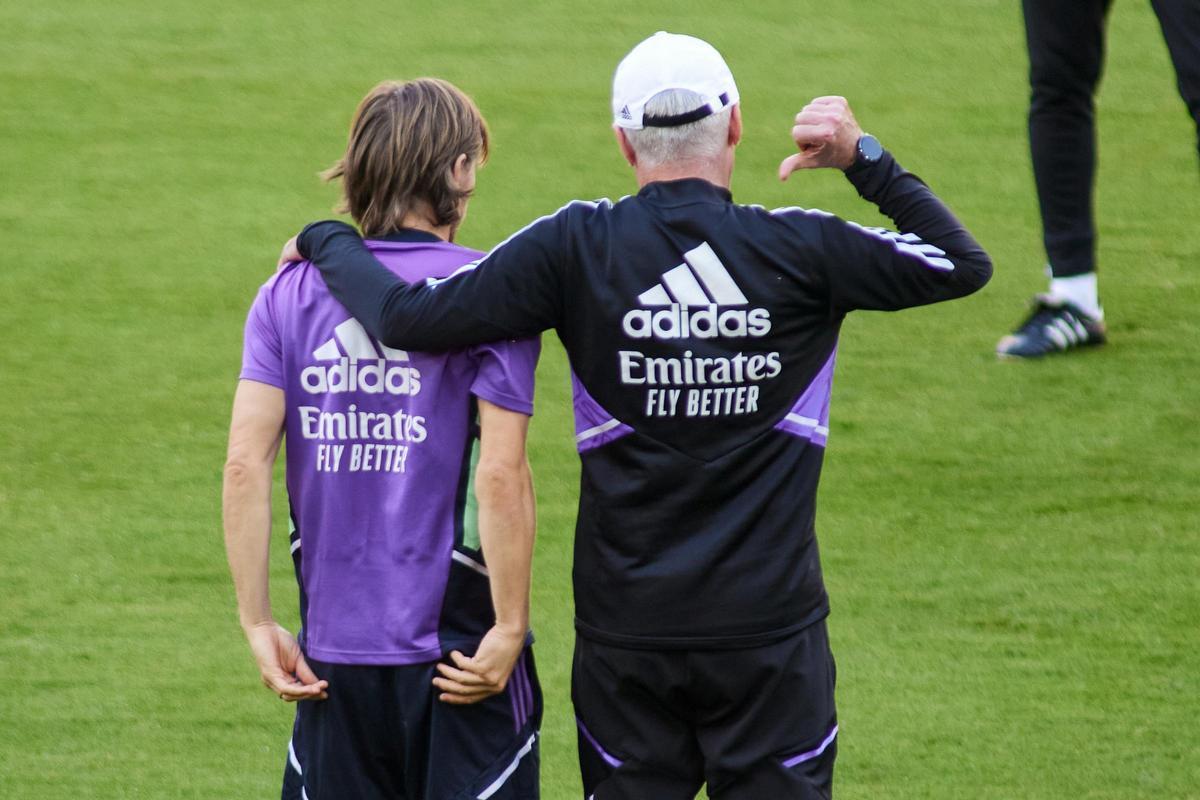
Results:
[404, 140]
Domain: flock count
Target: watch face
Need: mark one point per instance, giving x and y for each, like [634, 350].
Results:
[869, 148]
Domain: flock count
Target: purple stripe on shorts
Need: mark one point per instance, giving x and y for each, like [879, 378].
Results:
[517, 694]
[809, 755]
[609, 759]
[516, 706]
[523, 689]
[528, 684]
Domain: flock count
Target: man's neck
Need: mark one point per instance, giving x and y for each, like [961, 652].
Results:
[715, 171]
[419, 222]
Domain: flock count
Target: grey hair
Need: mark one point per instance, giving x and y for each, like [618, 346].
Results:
[693, 141]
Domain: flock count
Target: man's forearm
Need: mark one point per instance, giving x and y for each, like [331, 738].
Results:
[353, 275]
[412, 316]
[246, 507]
[914, 208]
[506, 530]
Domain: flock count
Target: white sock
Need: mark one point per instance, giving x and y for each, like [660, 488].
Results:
[1081, 290]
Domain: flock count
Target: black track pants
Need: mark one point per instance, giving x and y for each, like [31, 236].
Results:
[1066, 57]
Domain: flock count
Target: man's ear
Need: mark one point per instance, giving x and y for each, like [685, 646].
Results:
[735, 126]
[626, 147]
[463, 173]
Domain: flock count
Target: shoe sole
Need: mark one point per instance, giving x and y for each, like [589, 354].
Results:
[1074, 348]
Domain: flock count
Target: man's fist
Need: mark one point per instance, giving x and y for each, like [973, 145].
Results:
[826, 133]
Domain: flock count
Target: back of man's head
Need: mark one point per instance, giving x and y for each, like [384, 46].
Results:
[701, 140]
[404, 141]
[672, 97]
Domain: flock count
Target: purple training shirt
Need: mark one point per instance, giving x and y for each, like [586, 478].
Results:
[379, 455]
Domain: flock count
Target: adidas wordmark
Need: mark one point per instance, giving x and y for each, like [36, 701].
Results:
[693, 300]
[359, 367]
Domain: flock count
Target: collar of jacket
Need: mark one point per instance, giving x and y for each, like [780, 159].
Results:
[683, 191]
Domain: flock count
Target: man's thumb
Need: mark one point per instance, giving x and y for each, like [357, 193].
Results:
[791, 164]
[304, 672]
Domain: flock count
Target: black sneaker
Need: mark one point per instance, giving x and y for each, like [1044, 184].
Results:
[1053, 326]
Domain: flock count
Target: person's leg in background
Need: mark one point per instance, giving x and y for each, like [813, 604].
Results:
[1065, 39]
[1180, 22]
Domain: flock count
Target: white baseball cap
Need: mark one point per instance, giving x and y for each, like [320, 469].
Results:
[670, 61]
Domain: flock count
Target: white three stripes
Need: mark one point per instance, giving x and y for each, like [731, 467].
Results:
[358, 344]
[715, 276]
[354, 338]
[1066, 333]
[911, 245]
[684, 288]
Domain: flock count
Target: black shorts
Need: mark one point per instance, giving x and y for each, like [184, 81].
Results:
[752, 723]
[384, 735]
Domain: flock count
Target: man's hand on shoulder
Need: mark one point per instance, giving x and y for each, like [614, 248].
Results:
[307, 244]
[290, 252]
[827, 134]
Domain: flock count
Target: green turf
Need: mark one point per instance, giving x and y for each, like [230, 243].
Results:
[1012, 549]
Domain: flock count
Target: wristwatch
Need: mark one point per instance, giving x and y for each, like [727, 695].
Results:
[867, 152]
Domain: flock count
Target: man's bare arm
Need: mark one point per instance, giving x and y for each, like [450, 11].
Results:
[255, 433]
[507, 523]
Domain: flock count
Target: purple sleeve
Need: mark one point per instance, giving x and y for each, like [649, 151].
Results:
[262, 357]
[505, 376]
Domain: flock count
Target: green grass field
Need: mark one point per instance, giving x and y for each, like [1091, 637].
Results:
[1013, 550]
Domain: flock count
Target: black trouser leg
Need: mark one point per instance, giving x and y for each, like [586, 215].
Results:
[1180, 21]
[1066, 56]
